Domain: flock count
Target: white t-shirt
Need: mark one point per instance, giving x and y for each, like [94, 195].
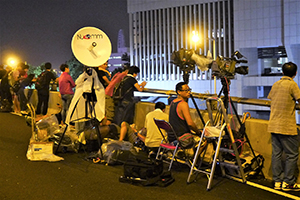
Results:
[153, 136]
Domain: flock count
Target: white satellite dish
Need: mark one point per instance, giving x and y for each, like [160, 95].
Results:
[91, 46]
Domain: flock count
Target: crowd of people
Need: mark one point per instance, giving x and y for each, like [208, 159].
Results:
[119, 114]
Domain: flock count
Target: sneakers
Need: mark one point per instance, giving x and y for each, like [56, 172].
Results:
[277, 186]
[287, 187]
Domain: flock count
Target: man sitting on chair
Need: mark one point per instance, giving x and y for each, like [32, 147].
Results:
[179, 115]
[150, 134]
[153, 137]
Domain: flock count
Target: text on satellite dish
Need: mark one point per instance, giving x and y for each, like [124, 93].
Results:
[89, 36]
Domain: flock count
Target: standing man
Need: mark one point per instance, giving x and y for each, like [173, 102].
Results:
[103, 73]
[18, 84]
[126, 107]
[179, 115]
[6, 97]
[282, 125]
[109, 102]
[66, 85]
[43, 90]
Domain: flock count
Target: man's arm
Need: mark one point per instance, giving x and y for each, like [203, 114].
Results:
[106, 79]
[185, 111]
[140, 87]
[72, 83]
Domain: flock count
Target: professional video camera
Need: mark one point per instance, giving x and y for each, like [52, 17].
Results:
[186, 60]
[183, 59]
[226, 67]
[221, 67]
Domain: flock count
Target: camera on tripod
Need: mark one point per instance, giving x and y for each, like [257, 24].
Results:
[226, 67]
[221, 67]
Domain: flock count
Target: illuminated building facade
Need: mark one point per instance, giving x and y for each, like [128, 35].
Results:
[267, 33]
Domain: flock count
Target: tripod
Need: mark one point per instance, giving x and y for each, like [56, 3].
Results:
[225, 90]
[90, 99]
[186, 75]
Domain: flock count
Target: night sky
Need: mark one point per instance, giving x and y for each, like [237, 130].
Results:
[38, 31]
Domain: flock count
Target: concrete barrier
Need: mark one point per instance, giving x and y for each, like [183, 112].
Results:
[256, 130]
[54, 99]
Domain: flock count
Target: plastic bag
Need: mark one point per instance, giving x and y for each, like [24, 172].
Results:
[113, 150]
[47, 127]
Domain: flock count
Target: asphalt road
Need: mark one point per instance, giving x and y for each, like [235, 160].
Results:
[77, 178]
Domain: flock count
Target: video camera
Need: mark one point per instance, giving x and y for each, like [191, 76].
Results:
[226, 67]
[221, 67]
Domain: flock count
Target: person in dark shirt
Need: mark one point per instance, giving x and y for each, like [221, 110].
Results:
[125, 109]
[43, 93]
[21, 77]
[180, 117]
[6, 97]
[103, 74]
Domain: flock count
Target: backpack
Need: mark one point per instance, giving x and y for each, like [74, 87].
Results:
[41, 81]
[118, 94]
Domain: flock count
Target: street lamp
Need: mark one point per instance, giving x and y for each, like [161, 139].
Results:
[11, 61]
[195, 37]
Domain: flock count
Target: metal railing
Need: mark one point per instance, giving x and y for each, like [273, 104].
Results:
[241, 100]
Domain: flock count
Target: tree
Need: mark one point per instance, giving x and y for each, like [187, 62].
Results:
[76, 68]
[36, 70]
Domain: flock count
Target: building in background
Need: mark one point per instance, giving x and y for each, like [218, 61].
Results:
[115, 59]
[267, 33]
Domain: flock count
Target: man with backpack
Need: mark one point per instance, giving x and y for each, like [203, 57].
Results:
[109, 90]
[42, 86]
[126, 105]
[18, 80]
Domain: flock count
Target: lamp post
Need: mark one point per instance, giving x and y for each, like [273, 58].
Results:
[195, 39]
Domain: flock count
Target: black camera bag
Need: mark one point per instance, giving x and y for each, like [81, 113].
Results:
[146, 172]
[143, 168]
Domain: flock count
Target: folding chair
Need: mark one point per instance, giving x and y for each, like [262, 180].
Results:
[164, 125]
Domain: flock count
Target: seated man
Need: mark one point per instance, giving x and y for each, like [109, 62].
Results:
[150, 134]
[153, 137]
[179, 115]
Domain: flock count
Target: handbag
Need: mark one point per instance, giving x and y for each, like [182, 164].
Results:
[186, 140]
